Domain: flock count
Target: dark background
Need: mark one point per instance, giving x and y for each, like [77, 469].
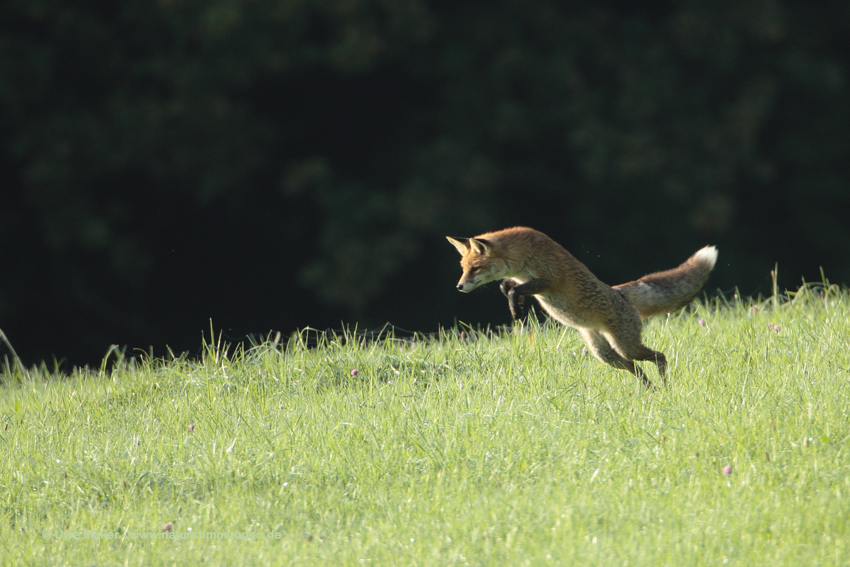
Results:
[275, 164]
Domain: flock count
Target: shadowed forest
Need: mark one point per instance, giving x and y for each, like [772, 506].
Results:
[269, 165]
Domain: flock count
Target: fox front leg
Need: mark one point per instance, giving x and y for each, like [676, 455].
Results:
[515, 302]
[516, 294]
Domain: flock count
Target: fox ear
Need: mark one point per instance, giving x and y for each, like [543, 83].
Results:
[462, 244]
[480, 246]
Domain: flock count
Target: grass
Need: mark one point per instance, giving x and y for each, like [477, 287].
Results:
[465, 449]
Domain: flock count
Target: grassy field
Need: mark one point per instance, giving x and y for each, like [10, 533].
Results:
[465, 449]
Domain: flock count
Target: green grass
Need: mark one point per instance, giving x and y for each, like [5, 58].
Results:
[461, 450]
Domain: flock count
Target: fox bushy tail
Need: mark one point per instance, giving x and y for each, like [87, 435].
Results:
[670, 290]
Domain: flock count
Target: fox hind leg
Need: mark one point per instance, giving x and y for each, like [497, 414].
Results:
[636, 350]
[599, 346]
[624, 336]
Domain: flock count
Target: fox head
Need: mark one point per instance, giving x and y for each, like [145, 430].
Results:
[479, 262]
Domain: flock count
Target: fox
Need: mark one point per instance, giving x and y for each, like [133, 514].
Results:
[609, 319]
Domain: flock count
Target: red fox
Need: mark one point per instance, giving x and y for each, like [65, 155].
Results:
[609, 318]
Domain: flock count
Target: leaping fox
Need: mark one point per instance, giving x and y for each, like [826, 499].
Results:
[609, 318]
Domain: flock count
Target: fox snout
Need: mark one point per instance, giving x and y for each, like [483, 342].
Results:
[465, 287]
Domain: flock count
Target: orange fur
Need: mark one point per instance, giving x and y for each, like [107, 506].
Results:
[609, 318]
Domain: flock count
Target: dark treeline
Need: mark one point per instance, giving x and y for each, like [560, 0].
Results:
[275, 164]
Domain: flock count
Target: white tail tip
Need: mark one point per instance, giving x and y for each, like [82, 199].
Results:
[707, 255]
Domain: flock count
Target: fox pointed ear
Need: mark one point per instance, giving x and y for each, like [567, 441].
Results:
[480, 246]
[462, 244]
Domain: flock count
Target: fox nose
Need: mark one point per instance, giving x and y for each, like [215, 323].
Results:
[460, 287]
